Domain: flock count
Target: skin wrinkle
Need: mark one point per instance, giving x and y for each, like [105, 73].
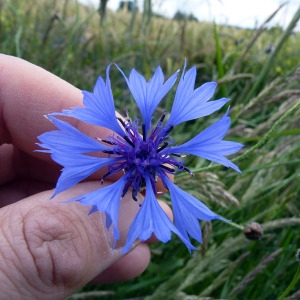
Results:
[14, 262]
[48, 242]
[23, 259]
[46, 248]
[35, 243]
[26, 256]
[6, 261]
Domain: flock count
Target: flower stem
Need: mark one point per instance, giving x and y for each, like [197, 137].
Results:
[235, 225]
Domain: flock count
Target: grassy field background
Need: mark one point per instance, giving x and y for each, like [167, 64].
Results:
[69, 40]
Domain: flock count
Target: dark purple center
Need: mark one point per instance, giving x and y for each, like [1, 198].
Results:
[140, 155]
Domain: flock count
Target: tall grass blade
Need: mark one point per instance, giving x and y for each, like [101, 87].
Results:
[267, 66]
[219, 59]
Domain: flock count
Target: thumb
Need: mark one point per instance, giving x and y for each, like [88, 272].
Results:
[50, 249]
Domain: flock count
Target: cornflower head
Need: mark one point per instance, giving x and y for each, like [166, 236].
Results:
[143, 151]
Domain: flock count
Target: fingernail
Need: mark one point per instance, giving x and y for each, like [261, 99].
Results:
[128, 210]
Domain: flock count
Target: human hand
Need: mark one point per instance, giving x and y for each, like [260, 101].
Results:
[48, 249]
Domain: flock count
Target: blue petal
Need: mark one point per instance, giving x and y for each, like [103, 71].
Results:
[190, 104]
[68, 139]
[99, 107]
[77, 167]
[188, 211]
[107, 200]
[208, 144]
[152, 219]
[148, 94]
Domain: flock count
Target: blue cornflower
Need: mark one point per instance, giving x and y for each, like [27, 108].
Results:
[142, 151]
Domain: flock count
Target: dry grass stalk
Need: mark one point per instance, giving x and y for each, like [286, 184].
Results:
[280, 223]
[259, 31]
[251, 275]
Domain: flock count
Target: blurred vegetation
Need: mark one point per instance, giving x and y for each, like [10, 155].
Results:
[259, 69]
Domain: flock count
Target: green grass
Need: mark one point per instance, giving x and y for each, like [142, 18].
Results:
[67, 39]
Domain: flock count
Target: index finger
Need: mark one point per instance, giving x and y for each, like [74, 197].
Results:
[27, 93]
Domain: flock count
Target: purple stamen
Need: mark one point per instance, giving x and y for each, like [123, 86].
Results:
[141, 154]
